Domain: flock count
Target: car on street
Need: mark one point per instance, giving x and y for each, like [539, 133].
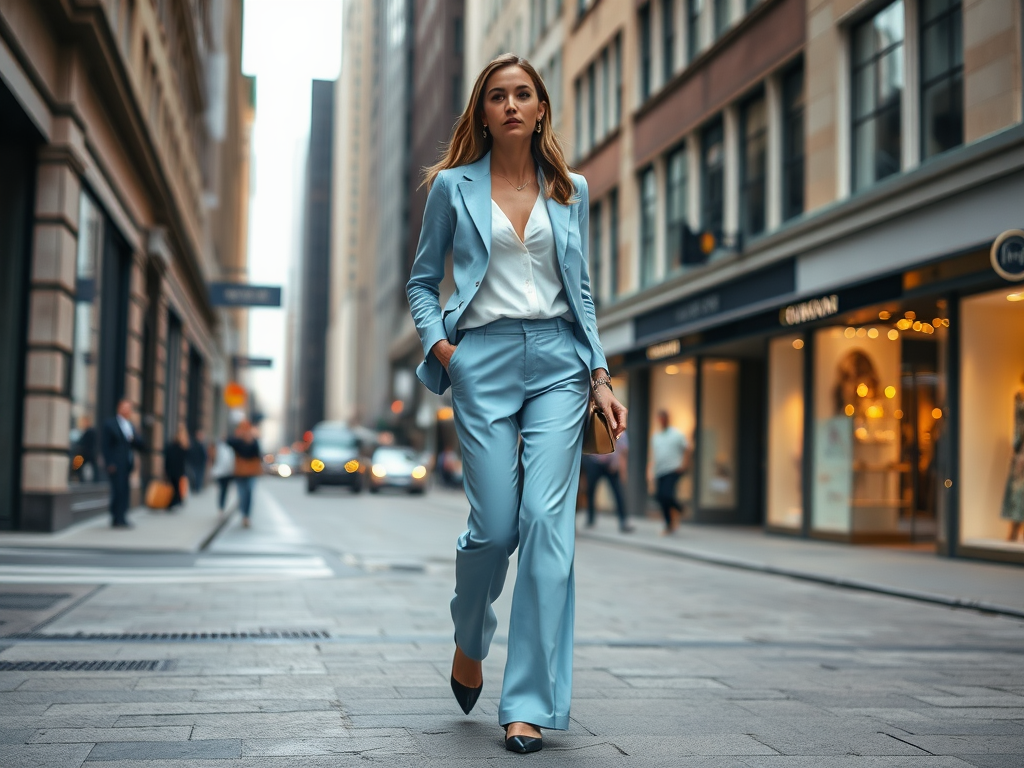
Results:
[285, 463]
[334, 457]
[397, 467]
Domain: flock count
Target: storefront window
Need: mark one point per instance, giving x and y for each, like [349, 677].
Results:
[879, 407]
[674, 389]
[992, 420]
[84, 380]
[785, 431]
[718, 434]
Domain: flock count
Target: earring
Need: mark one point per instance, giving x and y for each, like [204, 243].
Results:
[538, 126]
[485, 131]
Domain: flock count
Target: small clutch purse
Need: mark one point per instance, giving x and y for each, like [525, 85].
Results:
[597, 435]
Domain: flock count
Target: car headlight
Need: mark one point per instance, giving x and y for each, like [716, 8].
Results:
[352, 466]
[284, 470]
[419, 473]
[379, 471]
[316, 465]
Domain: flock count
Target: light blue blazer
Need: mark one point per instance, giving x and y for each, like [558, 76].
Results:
[457, 219]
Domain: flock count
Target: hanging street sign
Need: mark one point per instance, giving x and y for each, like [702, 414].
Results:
[244, 295]
[1008, 255]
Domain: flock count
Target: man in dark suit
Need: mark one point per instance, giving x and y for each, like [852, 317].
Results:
[120, 441]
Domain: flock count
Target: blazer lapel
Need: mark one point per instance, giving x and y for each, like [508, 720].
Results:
[476, 192]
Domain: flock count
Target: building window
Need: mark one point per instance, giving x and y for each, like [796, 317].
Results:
[579, 117]
[712, 205]
[595, 253]
[722, 8]
[613, 243]
[942, 76]
[648, 221]
[793, 143]
[755, 152]
[645, 53]
[877, 88]
[676, 183]
[606, 95]
[693, 11]
[668, 39]
[617, 98]
[592, 134]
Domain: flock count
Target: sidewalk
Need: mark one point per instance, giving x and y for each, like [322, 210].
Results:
[886, 570]
[187, 529]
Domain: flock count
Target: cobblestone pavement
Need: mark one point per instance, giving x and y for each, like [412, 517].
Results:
[348, 650]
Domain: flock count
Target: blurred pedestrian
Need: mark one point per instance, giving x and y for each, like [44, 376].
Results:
[120, 440]
[248, 466]
[518, 343]
[223, 471]
[176, 454]
[670, 452]
[198, 456]
[610, 467]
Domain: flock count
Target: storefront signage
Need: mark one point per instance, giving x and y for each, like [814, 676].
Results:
[242, 295]
[806, 311]
[1008, 255]
[663, 350]
[254, 362]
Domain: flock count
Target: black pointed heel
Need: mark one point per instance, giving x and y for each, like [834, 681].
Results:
[523, 744]
[465, 695]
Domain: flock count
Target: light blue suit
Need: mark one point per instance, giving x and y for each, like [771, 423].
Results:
[519, 391]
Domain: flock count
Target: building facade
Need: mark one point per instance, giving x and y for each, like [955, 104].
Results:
[117, 125]
[794, 209]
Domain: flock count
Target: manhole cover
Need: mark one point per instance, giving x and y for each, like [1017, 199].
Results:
[28, 601]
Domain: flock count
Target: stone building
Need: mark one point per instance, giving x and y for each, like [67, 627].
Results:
[124, 144]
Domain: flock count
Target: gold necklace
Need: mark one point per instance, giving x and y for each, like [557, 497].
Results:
[521, 187]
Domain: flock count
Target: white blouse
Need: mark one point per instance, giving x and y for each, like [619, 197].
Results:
[522, 280]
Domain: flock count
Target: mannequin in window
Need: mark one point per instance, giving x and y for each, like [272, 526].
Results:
[1013, 498]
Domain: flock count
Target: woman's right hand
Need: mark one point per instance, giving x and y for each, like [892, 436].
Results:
[443, 351]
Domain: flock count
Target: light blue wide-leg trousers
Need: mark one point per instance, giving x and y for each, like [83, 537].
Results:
[515, 379]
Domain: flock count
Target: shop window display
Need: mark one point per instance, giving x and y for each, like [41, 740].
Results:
[879, 393]
[718, 435]
[992, 420]
[674, 389]
[785, 431]
[84, 378]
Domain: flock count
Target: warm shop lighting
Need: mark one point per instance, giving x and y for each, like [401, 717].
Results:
[861, 333]
[1015, 297]
[798, 343]
[936, 413]
[861, 433]
[397, 406]
[445, 414]
[316, 465]
[850, 333]
[379, 471]
[910, 315]
[898, 414]
[927, 328]
[937, 322]
[872, 333]
[893, 334]
[850, 410]
[671, 370]
[284, 470]
[875, 412]
[890, 392]
[419, 473]
[904, 324]
[884, 315]
[352, 466]
[862, 389]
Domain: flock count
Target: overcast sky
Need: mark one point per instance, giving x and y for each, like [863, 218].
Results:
[287, 44]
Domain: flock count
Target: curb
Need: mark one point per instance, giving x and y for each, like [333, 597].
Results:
[817, 578]
[216, 530]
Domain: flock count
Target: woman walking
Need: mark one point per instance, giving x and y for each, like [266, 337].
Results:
[175, 463]
[248, 466]
[223, 471]
[518, 344]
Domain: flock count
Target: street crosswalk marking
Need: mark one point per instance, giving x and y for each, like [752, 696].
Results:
[205, 569]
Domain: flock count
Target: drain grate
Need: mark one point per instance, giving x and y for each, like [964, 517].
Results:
[146, 665]
[27, 601]
[178, 637]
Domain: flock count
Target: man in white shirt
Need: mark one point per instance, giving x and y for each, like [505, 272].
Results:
[670, 453]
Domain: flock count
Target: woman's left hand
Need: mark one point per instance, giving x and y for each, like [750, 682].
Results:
[604, 400]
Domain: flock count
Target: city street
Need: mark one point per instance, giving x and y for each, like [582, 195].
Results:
[321, 637]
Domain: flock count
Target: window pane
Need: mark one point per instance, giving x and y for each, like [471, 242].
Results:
[648, 214]
[675, 208]
[613, 243]
[943, 116]
[958, 40]
[596, 289]
[722, 8]
[645, 52]
[890, 78]
[713, 197]
[668, 30]
[864, 92]
[693, 28]
[935, 49]
[887, 158]
[864, 153]
[606, 107]
[933, 8]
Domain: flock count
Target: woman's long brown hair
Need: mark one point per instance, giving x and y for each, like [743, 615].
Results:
[468, 143]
